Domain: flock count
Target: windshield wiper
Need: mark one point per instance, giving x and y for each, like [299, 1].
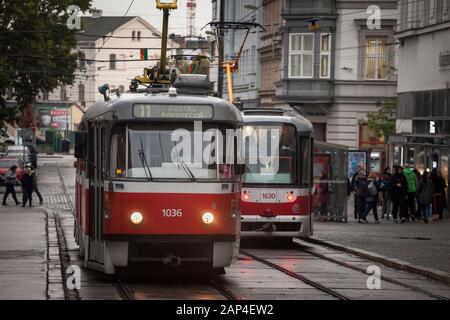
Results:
[144, 162]
[183, 164]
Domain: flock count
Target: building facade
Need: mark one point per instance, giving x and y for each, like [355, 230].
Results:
[270, 52]
[337, 73]
[423, 107]
[119, 60]
[246, 82]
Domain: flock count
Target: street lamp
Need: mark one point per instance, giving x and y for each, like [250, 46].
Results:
[255, 8]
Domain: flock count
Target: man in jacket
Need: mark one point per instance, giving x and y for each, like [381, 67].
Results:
[27, 186]
[361, 168]
[412, 185]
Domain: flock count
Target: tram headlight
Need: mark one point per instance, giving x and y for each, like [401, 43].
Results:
[207, 217]
[136, 217]
[291, 196]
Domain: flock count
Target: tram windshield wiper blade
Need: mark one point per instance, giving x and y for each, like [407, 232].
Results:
[144, 162]
[183, 164]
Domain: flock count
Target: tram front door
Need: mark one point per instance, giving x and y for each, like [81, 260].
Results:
[96, 157]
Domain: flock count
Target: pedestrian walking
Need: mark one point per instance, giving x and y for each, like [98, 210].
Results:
[426, 190]
[27, 187]
[361, 168]
[412, 188]
[419, 210]
[323, 195]
[372, 197]
[385, 188]
[35, 186]
[361, 194]
[398, 193]
[439, 184]
[10, 181]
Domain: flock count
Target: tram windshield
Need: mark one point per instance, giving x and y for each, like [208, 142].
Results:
[270, 154]
[169, 151]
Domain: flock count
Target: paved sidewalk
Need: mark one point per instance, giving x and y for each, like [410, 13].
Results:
[413, 242]
[29, 254]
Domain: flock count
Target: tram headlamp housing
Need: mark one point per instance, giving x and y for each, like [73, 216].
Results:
[208, 217]
[136, 217]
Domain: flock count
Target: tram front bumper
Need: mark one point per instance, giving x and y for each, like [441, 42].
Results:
[279, 226]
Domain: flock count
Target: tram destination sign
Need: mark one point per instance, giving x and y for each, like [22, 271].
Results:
[173, 111]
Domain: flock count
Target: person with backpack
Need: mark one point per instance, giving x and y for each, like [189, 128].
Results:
[412, 188]
[385, 188]
[372, 197]
[398, 193]
[361, 194]
[10, 181]
[426, 190]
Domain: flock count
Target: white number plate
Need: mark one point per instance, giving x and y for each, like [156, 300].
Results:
[172, 213]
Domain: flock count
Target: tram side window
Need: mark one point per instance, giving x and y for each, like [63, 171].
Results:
[118, 153]
[305, 160]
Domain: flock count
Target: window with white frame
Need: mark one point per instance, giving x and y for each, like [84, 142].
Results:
[301, 55]
[376, 58]
[325, 55]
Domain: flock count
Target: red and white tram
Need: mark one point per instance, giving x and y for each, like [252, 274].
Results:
[139, 198]
[276, 187]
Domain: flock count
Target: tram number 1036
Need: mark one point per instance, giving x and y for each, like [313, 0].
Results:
[172, 213]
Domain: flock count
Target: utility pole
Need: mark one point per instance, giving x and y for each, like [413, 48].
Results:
[221, 53]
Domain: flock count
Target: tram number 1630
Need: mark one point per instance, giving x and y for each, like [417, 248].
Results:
[172, 213]
[268, 195]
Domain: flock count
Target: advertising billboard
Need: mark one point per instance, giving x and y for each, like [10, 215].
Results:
[57, 118]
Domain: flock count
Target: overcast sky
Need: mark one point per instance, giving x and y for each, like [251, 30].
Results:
[147, 10]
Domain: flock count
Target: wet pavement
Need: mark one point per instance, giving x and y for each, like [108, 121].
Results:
[413, 242]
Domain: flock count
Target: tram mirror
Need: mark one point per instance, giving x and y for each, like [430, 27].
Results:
[80, 144]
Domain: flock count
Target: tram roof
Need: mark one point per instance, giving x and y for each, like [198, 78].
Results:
[278, 116]
[121, 108]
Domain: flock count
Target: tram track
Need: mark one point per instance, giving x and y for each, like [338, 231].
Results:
[298, 246]
[297, 276]
[122, 288]
[125, 292]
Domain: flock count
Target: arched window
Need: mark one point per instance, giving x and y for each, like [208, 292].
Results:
[133, 35]
[112, 61]
[139, 35]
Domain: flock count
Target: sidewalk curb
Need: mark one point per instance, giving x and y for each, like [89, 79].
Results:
[388, 261]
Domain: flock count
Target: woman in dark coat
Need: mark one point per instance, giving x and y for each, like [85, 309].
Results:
[398, 192]
[426, 190]
[439, 184]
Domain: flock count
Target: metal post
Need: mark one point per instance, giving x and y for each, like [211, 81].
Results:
[34, 124]
[221, 53]
[164, 44]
